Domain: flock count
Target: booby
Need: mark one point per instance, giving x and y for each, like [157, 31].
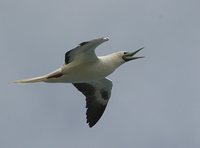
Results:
[88, 72]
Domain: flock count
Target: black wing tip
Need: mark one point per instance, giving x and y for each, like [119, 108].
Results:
[91, 121]
[91, 124]
[93, 116]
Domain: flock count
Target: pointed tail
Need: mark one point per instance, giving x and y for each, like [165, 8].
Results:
[32, 80]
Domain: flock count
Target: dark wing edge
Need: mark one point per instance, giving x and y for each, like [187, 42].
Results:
[97, 95]
[67, 57]
[70, 52]
[84, 48]
[67, 54]
[83, 43]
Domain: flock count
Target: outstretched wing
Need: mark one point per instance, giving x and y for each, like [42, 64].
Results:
[85, 51]
[97, 94]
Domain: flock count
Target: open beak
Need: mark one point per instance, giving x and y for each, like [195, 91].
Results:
[130, 55]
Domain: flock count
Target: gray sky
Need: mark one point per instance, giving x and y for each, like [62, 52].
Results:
[155, 101]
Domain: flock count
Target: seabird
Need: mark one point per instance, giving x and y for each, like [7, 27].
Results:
[88, 72]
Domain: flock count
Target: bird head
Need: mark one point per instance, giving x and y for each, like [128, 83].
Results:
[128, 56]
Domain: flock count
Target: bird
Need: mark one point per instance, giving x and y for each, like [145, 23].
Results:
[88, 73]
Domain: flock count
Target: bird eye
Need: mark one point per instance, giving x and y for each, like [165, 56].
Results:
[125, 52]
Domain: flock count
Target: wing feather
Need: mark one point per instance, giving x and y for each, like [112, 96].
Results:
[85, 51]
[97, 95]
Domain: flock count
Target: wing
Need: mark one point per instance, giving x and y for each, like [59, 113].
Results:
[97, 95]
[85, 51]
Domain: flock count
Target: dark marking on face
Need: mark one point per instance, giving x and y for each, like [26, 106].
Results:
[55, 76]
[104, 94]
[124, 58]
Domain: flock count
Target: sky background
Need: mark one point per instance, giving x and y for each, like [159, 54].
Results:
[155, 101]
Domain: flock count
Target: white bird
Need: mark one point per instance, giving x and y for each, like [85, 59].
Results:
[88, 72]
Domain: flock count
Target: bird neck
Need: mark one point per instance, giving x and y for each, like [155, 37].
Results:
[112, 60]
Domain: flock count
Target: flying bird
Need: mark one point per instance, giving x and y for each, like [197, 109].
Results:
[88, 72]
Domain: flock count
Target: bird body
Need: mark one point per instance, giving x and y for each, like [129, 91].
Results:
[81, 71]
[88, 73]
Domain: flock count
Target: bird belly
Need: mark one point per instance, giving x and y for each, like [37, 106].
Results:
[86, 74]
[82, 73]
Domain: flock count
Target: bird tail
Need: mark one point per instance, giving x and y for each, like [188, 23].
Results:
[32, 80]
[53, 75]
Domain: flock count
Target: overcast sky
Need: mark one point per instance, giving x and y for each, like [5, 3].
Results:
[155, 101]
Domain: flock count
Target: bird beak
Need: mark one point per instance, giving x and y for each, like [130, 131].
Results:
[130, 55]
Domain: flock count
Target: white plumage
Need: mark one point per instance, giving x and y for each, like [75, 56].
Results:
[88, 73]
